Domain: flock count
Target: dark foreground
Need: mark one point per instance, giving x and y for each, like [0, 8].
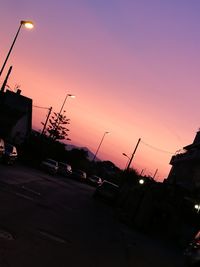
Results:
[54, 221]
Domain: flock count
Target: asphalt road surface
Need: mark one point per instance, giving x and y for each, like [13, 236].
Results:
[51, 221]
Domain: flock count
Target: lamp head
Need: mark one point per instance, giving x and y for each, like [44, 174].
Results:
[72, 96]
[124, 154]
[27, 23]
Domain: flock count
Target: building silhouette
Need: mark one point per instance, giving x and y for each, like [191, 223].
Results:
[15, 116]
[185, 169]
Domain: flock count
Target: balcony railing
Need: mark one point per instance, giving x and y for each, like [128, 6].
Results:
[186, 156]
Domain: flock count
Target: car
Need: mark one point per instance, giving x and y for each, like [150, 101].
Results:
[79, 175]
[107, 191]
[49, 165]
[10, 154]
[64, 169]
[94, 180]
[192, 252]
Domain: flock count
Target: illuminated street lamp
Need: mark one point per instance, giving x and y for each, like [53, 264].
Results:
[141, 181]
[99, 146]
[59, 114]
[68, 95]
[27, 24]
[197, 207]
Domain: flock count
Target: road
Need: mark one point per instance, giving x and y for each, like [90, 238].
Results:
[53, 221]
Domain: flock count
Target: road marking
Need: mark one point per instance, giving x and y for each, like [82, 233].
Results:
[31, 191]
[24, 196]
[53, 237]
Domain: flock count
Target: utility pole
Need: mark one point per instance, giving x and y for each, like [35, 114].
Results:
[142, 172]
[128, 166]
[50, 109]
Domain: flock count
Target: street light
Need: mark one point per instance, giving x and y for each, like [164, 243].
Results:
[197, 207]
[99, 145]
[124, 154]
[68, 95]
[141, 181]
[26, 23]
[59, 114]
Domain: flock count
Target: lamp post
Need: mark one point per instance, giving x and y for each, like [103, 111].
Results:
[28, 25]
[59, 114]
[124, 154]
[99, 145]
[68, 95]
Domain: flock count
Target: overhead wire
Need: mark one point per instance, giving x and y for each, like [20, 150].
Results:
[157, 149]
[40, 107]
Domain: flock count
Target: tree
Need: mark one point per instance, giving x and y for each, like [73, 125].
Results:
[56, 128]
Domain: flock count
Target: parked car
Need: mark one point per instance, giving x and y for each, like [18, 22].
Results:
[107, 191]
[94, 180]
[2, 148]
[192, 252]
[64, 169]
[49, 165]
[10, 154]
[79, 175]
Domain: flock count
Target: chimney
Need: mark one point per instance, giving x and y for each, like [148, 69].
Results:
[18, 92]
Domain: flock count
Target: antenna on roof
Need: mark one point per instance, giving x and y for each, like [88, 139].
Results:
[17, 87]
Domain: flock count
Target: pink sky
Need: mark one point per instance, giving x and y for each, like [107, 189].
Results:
[133, 66]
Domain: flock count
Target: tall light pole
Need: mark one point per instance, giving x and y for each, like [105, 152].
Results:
[59, 114]
[124, 154]
[68, 95]
[99, 145]
[28, 25]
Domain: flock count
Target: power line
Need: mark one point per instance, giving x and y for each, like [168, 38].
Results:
[40, 107]
[158, 149]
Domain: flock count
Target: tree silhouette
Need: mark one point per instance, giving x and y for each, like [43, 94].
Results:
[56, 128]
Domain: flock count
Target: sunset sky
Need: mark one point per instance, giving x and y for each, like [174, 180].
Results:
[132, 64]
